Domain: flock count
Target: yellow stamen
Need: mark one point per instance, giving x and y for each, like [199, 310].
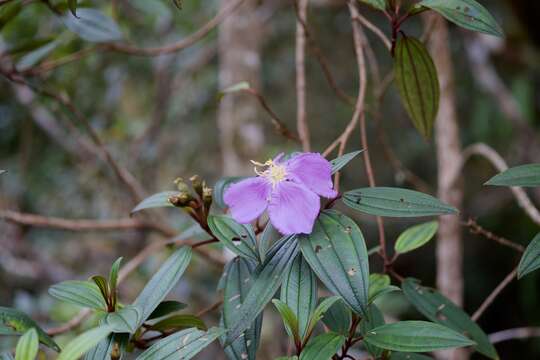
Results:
[275, 173]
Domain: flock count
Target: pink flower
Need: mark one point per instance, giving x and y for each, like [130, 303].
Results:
[289, 189]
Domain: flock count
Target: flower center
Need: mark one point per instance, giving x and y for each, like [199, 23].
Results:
[274, 172]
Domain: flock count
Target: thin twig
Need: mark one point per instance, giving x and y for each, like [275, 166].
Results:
[498, 162]
[185, 42]
[82, 224]
[514, 334]
[489, 300]
[301, 115]
[369, 25]
[477, 229]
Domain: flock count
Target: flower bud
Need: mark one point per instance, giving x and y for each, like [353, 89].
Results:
[181, 200]
[207, 196]
[197, 183]
[181, 185]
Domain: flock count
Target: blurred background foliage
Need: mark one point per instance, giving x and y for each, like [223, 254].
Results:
[157, 116]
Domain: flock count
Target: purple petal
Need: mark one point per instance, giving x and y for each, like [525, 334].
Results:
[247, 199]
[314, 171]
[293, 208]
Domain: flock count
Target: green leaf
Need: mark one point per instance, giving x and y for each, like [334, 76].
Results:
[523, 175]
[126, 320]
[530, 260]
[468, 14]
[182, 345]
[92, 25]
[287, 358]
[336, 252]
[113, 278]
[299, 292]
[269, 236]
[416, 236]
[338, 318]
[417, 82]
[221, 185]
[33, 57]
[27, 346]
[340, 162]
[154, 201]
[165, 308]
[438, 308]
[72, 5]
[318, 315]
[374, 319]
[84, 342]
[9, 12]
[395, 202]
[162, 282]
[236, 281]
[80, 293]
[379, 284]
[113, 343]
[15, 322]
[269, 276]
[6, 356]
[102, 285]
[415, 336]
[377, 4]
[289, 319]
[408, 356]
[322, 347]
[179, 322]
[238, 238]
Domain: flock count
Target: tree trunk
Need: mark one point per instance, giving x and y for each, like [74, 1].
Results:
[450, 188]
[241, 136]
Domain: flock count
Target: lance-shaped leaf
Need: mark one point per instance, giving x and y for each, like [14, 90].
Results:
[182, 345]
[417, 82]
[165, 308]
[114, 344]
[238, 238]
[415, 336]
[27, 346]
[179, 322]
[524, 175]
[408, 356]
[35, 56]
[162, 282]
[84, 342]
[416, 236]
[220, 186]
[337, 253]
[80, 293]
[269, 236]
[15, 322]
[269, 276]
[92, 25]
[289, 320]
[340, 162]
[377, 4]
[530, 260]
[318, 314]
[379, 284]
[127, 320]
[322, 347]
[395, 202]
[72, 5]
[155, 201]
[338, 318]
[468, 14]
[237, 279]
[438, 308]
[299, 292]
[372, 320]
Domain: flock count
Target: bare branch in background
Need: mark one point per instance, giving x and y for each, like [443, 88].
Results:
[498, 162]
[373, 28]
[301, 114]
[474, 228]
[489, 300]
[198, 35]
[514, 334]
